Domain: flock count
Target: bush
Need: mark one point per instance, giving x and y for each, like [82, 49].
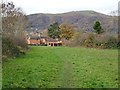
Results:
[106, 41]
[74, 41]
[10, 49]
[20, 40]
[93, 40]
[111, 42]
[89, 41]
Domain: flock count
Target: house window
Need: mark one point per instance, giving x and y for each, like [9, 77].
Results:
[55, 44]
[51, 44]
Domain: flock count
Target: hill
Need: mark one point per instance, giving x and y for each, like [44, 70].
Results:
[81, 20]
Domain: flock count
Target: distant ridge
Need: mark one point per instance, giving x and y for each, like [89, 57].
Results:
[81, 20]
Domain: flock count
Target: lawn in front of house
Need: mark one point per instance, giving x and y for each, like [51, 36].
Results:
[56, 67]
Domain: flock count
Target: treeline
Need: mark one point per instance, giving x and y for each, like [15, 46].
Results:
[14, 22]
[98, 38]
[104, 40]
[62, 31]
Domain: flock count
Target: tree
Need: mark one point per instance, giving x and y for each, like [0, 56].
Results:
[114, 17]
[14, 22]
[54, 31]
[67, 31]
[97, 27]
[13, 19]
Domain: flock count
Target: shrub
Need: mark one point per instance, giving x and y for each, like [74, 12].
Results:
[74, 41]
[10, 49]
[106, 41]
[93, 40]
[21, 41]
[89, 41]
[111, 42]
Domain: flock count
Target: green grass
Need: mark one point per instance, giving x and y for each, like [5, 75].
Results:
[56, 67]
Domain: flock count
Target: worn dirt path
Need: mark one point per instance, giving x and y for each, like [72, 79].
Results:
[67, 79]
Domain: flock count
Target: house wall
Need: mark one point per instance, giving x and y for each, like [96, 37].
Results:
[54, 43]
[28, 41]
[34, 41]
[43, 41]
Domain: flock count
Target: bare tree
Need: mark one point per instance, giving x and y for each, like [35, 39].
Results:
[114, 15]
[14, 22]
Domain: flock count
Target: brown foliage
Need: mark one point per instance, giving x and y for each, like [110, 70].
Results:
[14, 22]
[67, 31]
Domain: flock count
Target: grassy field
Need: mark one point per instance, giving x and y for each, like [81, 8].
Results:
[56, 67]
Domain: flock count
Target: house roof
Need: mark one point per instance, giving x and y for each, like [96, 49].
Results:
[43, 37]
[37, 37]
[51, 40]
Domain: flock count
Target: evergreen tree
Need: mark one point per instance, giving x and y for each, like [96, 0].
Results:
[53, 31]
[97, 27]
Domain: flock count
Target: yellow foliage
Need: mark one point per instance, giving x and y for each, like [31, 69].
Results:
[67, 31]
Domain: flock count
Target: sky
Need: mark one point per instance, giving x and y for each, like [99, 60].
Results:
[62, 6]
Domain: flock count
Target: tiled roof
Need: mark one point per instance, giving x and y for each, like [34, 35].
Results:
[36, 38]
[51, 40]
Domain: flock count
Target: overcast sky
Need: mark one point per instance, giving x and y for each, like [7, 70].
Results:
[61, 6]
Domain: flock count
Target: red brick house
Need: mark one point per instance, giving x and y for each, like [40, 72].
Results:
[43, 41]
[54, 42]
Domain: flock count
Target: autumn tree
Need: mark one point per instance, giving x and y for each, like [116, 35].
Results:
[54, 31]
[67, 31]
[97, 27]
[14, 22]
[13, 19]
